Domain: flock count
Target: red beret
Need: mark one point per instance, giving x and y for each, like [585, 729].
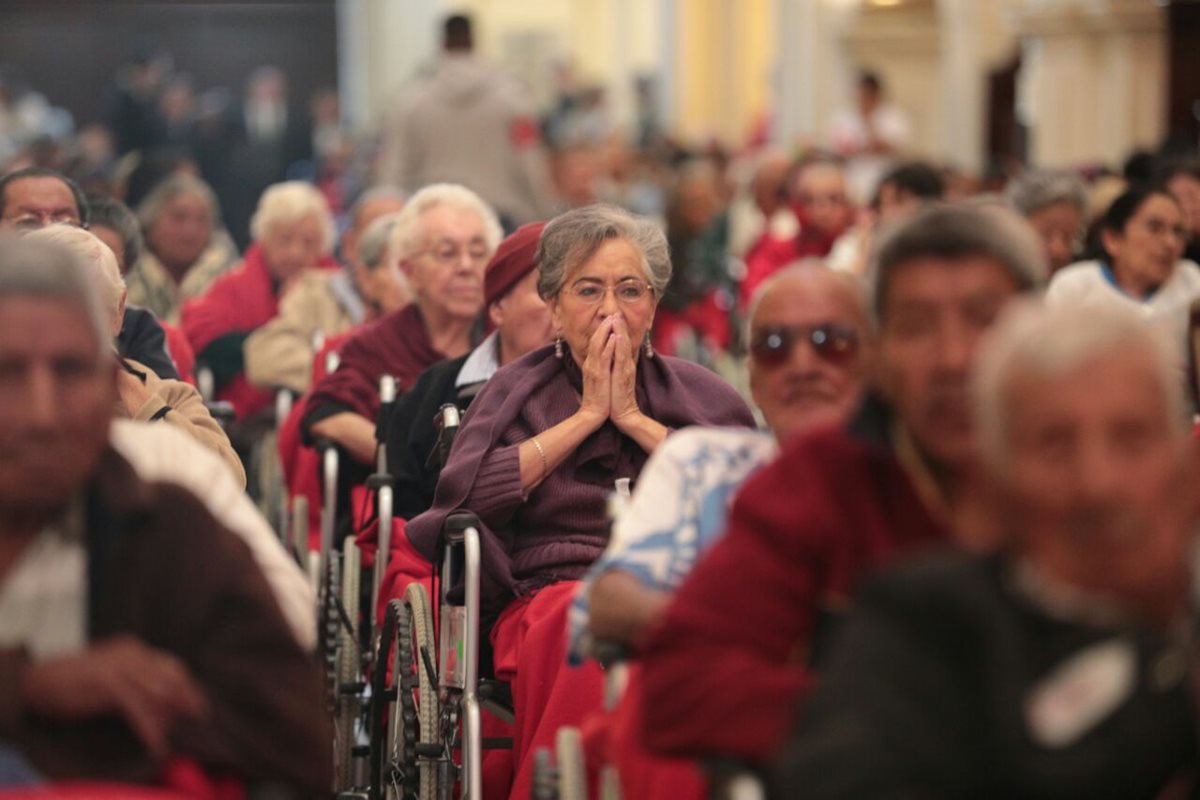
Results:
[512, 262]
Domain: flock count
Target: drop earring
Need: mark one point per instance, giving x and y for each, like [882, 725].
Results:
[648, 348]
[558, 348]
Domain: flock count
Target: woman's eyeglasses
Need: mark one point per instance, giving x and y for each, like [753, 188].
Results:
[448, 254]
[627, 291]
[772, 345]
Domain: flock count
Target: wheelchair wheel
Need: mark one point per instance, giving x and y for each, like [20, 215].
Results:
[415, 718]
[349, 668]
[397, 772]
[328, 623]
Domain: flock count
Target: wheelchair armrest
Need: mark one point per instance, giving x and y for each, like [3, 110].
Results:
[446, 423]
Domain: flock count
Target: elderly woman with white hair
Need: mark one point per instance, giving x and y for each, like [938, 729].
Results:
[1061, 665]
[442, 242]
[144, 396]
[1054, 203]
[186, 249]
[330, 303]
[545, 442]
[293, 233]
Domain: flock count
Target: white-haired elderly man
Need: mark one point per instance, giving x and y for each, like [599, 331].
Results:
[147, 403]
[443, 240]
[730, 658]
[293, 233]
[1063, 664]
[144, 396]
[280, 353]
[135, 630]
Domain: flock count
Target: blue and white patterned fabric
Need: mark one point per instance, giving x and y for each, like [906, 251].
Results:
[678, 510]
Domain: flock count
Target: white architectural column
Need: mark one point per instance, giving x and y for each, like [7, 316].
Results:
[963, 85]
[1094, 79]
[381, 44]
[812, 78]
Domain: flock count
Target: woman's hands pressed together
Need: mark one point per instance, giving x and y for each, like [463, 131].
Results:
[610, 376]
[609, 392]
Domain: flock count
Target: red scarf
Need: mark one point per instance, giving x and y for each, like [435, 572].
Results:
[396, 344]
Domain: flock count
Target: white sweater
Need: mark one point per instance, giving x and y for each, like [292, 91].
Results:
[163, 453]
[1086, 284]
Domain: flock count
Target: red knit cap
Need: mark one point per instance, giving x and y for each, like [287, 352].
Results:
[512, 262]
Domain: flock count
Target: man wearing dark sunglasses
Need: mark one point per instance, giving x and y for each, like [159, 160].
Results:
[738, 646]
[807, 339]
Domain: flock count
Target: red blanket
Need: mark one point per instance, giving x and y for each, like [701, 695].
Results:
[240, 301]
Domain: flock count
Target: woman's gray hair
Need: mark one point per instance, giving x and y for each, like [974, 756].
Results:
[408, 236]
[289, 202]
[152, 207]
[373, 247]
[572, 238]
[108, 212]
[957, 231]
[45, 269]
[1048, 341]
[1036, 189]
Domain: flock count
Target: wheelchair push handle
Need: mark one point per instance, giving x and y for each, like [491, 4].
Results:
[446, 423]
[457, 523]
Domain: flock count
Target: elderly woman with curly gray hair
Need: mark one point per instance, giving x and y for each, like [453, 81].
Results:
[546, 440]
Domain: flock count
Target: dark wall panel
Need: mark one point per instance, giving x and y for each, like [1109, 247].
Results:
[1183, 107]
[70, 51]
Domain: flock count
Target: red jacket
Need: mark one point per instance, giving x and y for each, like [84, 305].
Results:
[240, 301]
[768, 255]
[726, 665]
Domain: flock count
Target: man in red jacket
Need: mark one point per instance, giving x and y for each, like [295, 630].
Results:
[723, 670]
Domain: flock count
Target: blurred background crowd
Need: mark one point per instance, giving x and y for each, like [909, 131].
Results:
[656, 107]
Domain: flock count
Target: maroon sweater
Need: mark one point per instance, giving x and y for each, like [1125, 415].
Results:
[161, 569]
[396, 345]
[556, 531]
[724, 668]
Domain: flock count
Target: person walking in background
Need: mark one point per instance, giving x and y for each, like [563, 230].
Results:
[469, 124]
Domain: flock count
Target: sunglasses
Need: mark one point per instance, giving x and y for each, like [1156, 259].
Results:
[772, 345]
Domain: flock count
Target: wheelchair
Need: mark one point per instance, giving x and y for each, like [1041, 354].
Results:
[345, 605]
[398, 702]
[426, 728]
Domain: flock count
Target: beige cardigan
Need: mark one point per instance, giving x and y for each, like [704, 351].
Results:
[279, 355]
[186, 412]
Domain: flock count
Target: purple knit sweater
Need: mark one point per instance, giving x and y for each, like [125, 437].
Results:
[556, 531]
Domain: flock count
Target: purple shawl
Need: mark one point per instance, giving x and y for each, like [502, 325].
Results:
[560, 527]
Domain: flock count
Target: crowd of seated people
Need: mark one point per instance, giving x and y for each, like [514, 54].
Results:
[914, 518]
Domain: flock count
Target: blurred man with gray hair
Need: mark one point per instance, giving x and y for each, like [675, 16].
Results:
[1058, 666]
[134, 628]
[734, 650]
